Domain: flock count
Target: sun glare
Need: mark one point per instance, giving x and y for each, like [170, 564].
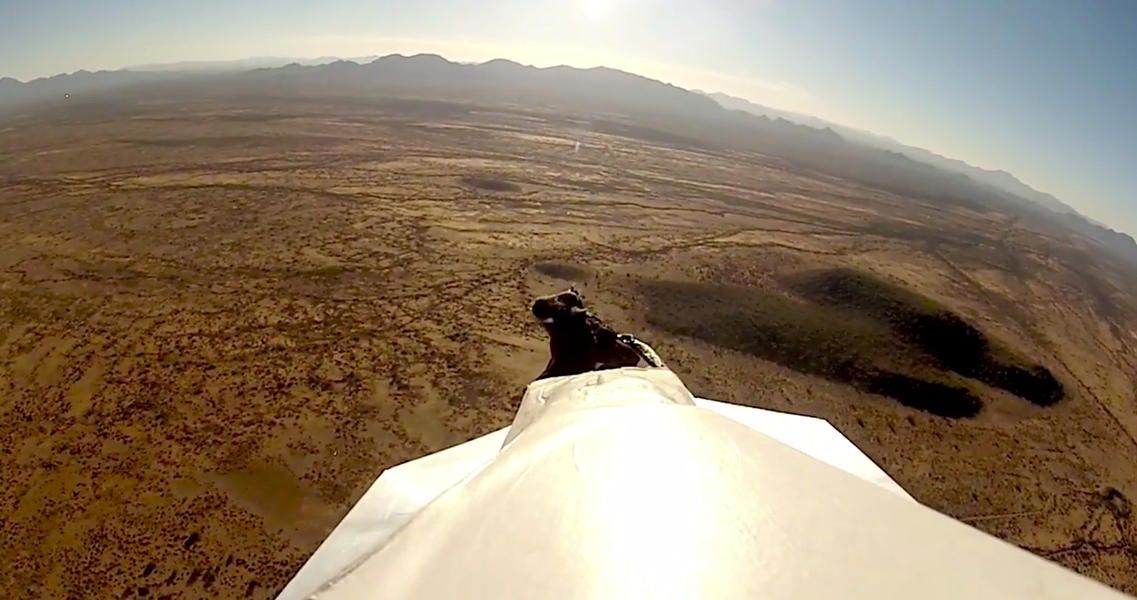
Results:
[595, 9]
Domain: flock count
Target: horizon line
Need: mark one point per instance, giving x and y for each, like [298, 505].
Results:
[829, 123]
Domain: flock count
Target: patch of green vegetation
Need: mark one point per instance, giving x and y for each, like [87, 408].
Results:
[18, 307]
[490, 183]
[34, 306]
[326, 272]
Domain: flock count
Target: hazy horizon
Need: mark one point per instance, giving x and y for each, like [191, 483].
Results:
[1037, 89]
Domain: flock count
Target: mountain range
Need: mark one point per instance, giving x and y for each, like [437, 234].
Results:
[606, 100]
[244, 64]
[995, 178]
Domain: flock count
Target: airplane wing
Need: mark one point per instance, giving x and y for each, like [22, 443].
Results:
[621, 484]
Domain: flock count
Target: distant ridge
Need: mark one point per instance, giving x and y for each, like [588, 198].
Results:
[999, 179]
[497, 79]
[613, 101]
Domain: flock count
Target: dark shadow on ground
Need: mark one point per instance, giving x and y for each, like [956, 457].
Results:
[562, 271]
[955, 344]
[807, 337]
[851, 327]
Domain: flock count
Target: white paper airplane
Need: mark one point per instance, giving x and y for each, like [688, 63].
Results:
[620, 484]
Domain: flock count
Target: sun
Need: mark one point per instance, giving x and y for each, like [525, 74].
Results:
[595, 9]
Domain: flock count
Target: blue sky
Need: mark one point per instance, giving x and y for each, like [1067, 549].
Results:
[1044, 89]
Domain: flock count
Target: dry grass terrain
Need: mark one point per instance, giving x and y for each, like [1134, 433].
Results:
[220, 319]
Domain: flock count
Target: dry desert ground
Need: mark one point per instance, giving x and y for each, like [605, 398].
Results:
[220, 319]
